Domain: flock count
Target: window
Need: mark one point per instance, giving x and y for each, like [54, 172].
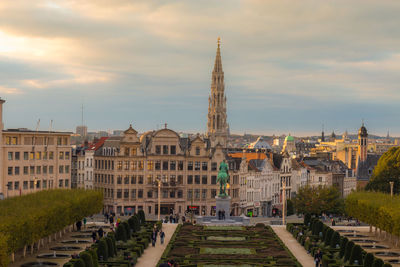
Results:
[190, 166]
[31, 170]
[51, 169]
[66, 155]
[149, 179]
[127, 152]
[127, 165]
[16, 155]
[66, 168]
[180, 179]
[119, 193]
[66, 183]
[213, 166]
[44, 154]
[173, 150]
[39, 169]
[126, 179]
[126, 193]
[61, 169]
[158, 150]
[204, 166]
[60, 183]
[140, 193]
[172, 165]
[140, 179]
[172, 194]
[197, 151]
[51, 155]
[44, 169]
[10, 170]
[150, 194]
[141, 165]
[204, 179]
[26, 155]
[16, 185]
[197, 193]
[150, 165]
[190, 179]
[165, 194]
[172, 178]
[45, 184]
[197, 166]
[214, 179]
[149, 209]
[197, 179]
[165, 150]
[180, 165]
[158, 165]
[31, 184]
[31, 155]
[133, 193]
[119, 179]
[213, 193]
[61, 155]
[133, 179]
[119, 165]
[25, 185]
[165, 165]
[10, 155]
[203, 193]
[38, 155]
[180, 194]
[25, 170]
[9, 186]
[133, 165]
[59, 141]
[16, 170]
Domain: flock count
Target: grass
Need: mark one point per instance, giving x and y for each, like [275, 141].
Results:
[226, 238]
[225, 228]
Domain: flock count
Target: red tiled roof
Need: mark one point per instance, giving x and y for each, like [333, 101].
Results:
[98, 144]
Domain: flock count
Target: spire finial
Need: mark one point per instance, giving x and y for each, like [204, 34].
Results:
[219, 41]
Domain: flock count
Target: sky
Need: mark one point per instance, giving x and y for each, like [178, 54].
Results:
[290, 66]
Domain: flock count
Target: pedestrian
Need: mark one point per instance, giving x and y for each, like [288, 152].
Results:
[183, 219]
[318, 258]
[84, 223]
[94, 236]
[118, 222]
[106, 216]
[219, 215]
[177, 218]
[162, 236]
[111, 219]
[170, 218]
[223, 215]
[100, 232]
[79, 225]
[154, 238]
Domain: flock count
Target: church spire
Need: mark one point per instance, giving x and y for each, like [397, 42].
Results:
[217, 126]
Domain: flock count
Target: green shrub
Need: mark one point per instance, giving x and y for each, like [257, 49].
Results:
[136, 222]
[290, 207]
[307, 218]
[93, 253]
[387, 265]
[142, 217]
[127, 229]
[378, 263]
[110, 248]
[120, 233]
[369, 260]
[356, 255]
[335, 240]
[343, 244]
[328, 236]
[349, 248]
[78, 263]
[260, 225]
[102, 251]
[87, 258]
[131, 223]
[111, 235]
[67, 264]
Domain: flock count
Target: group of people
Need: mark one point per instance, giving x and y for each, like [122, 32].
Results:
[221, 215]
[154, 235]
[170, 263]
[173, 218]
[100, 234]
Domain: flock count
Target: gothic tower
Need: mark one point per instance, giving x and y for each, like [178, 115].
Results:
[217, 126]
[362, 143]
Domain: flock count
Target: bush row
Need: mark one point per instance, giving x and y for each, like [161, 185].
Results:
[26, 219]
[377, 209]
[121, 248]
[337, 251]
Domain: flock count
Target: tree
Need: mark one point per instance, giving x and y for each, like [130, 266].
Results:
[318, 200]
[387, 170]
[335, 240]
[356, 255]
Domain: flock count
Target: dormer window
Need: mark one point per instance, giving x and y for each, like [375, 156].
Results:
[197, 151]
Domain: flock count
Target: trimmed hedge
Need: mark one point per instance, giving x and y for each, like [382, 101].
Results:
[26, 219]
[142, 217]
[102, 250]
[356, 255]
[369, 260]
[87, 258]
[349, 248]
[378, 263]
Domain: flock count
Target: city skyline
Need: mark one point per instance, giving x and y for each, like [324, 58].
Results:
[287, 68]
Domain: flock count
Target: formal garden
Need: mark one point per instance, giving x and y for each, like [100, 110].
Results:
[208, 246]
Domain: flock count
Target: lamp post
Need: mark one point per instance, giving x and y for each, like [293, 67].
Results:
[283, 200]
[391, 188]
[159, 198]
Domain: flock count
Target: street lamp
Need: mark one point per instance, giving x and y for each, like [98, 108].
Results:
[159, 197]
[391, 188]
[283, 200]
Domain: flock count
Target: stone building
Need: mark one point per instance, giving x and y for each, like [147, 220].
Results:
[31, 161]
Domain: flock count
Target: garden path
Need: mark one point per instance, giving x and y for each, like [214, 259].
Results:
[151, 254]
[297, 250]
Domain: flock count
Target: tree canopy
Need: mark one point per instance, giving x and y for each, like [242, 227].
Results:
[387, 170]
[318, 200]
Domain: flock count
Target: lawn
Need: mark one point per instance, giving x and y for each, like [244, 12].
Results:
[222, 246]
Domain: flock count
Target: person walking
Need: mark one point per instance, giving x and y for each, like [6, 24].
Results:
[94, 236]
[84, 223]
[79, 225]
[223, 215]
[100, 232]
[162, 236]
[318, 258]
[154, 238]
[112, 220]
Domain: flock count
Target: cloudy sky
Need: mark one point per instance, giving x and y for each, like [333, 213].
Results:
[290, 66]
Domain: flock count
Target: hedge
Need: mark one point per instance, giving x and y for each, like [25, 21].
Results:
[87, 258]
[142, 217]
[356, 255]
[377, 263]
[26, 219]
[369, 260]
[102, 250]
[120, 233]
[377, 209]
[348, 249]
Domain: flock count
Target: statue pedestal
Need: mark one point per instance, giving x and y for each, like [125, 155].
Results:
[223, 203]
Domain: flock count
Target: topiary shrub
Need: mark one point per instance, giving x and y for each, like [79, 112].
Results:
[369, 260]
[136, 222]
[102, 250]
[378, 263]
[260, 225]
[127, 229]
[142, 217]
[349, 248]
[307, 218]
[343, 246]
[87, 258]
[335, 240]
[131, 223]
[112, 236]
[120, 233]
[78, 263]
[68, 264]
[387, 265]
[356, 254]
[110, 247]
[328, 236]
[93, 253]
[324, 232]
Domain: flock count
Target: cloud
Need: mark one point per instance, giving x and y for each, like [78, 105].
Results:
[9, 90]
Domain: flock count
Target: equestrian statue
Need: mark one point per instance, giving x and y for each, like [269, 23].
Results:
[223, 179]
